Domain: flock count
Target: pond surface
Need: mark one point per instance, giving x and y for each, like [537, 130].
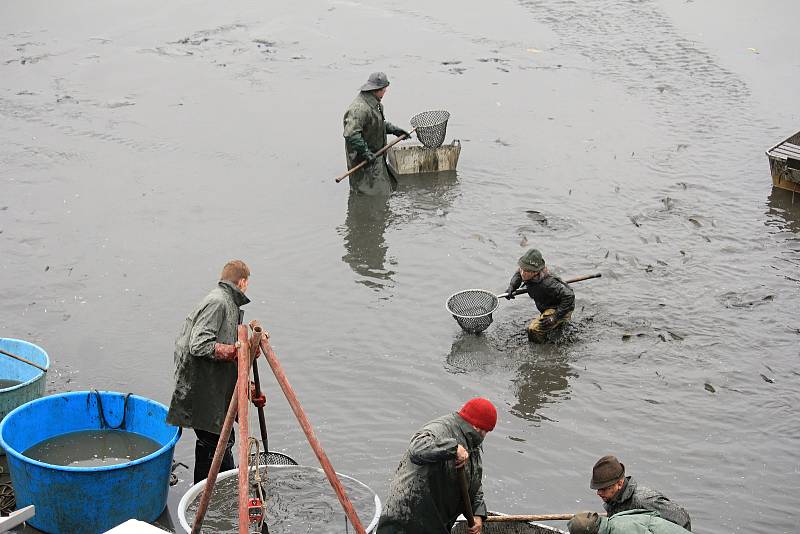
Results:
[144, 144]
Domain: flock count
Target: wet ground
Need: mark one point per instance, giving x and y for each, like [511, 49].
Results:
[143, 145]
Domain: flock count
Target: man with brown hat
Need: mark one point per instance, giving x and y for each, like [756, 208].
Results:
[365, 129]
[628, 522]
[425, 495]
[554, 299]
[621, 493]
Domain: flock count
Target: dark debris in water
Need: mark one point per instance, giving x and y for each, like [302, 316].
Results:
[536, 216]
[709, 388]
[767, 379]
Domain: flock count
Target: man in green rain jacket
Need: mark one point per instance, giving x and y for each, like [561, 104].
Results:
[205, 366]
[425, 495]
[365, 130]
[628, 522]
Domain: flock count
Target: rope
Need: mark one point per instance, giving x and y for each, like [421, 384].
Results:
[253, 443]
[103, 421]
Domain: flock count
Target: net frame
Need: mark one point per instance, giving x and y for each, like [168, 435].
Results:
[431, 127]
[460, 303]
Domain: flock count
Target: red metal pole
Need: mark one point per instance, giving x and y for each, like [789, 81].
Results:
[242, 391]
[266, 348]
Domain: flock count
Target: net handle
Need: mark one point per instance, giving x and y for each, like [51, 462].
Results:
[378, 153]
[522, 290]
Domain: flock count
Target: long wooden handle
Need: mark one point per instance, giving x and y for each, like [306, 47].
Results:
[528, 518]
[522, 290]
[349, 510]
[23, 360]
[378, 153]
[462, 481]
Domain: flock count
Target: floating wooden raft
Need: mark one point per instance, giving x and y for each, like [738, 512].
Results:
[415, 159]
[784, 163]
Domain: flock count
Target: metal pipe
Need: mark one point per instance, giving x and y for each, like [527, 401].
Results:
[242, 391]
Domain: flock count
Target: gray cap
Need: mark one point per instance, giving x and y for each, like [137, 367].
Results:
[377, 80]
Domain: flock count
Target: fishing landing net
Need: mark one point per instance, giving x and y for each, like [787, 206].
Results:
[472, 309]
[273, 458]
[431, 127]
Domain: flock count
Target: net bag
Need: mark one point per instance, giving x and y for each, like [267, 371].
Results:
[431, 127]
[472, 309]
[274, 458]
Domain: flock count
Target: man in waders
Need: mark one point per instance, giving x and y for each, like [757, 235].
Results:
[630, 522]
[206, 369]
[621, 493]
[425, 493]
[365, 130]
[554, 299]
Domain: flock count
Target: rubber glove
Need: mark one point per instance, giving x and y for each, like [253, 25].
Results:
[225, 352]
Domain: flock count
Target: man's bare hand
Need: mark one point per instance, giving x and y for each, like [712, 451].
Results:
[461, 456]
[476, 528]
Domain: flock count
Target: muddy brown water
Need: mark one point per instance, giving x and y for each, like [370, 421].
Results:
[298, 499]
[145, 144]
[6, 383]
[92, 448]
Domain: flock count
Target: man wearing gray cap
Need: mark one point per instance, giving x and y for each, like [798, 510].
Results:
[554, 299]
[629, 522]
[365, 129]
[621, 493]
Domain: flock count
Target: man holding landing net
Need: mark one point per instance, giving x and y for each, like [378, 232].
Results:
[554, 299]
[365, 130]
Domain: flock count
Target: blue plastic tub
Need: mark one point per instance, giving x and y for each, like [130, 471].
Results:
[32, 379]
[75, 500]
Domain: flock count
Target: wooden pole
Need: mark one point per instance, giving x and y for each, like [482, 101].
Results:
[462, 482]
[529, 518]
[378, 153]
[349, 510]
[242, 391]
[219, 452]
[23, 360]
[522, 290]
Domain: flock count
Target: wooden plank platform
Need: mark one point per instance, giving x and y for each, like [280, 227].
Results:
[784, 163]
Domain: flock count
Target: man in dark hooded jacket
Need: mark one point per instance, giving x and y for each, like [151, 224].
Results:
[621, 493]
[554, 299]
[205, 367]
[425, 495]
[365, 130]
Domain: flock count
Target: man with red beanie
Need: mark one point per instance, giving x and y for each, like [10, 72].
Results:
[425, 495]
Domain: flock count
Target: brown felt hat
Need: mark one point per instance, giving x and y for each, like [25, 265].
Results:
[606, 471]
[584, 523]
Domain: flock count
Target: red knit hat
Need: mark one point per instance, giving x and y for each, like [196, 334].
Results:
[479, 412]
